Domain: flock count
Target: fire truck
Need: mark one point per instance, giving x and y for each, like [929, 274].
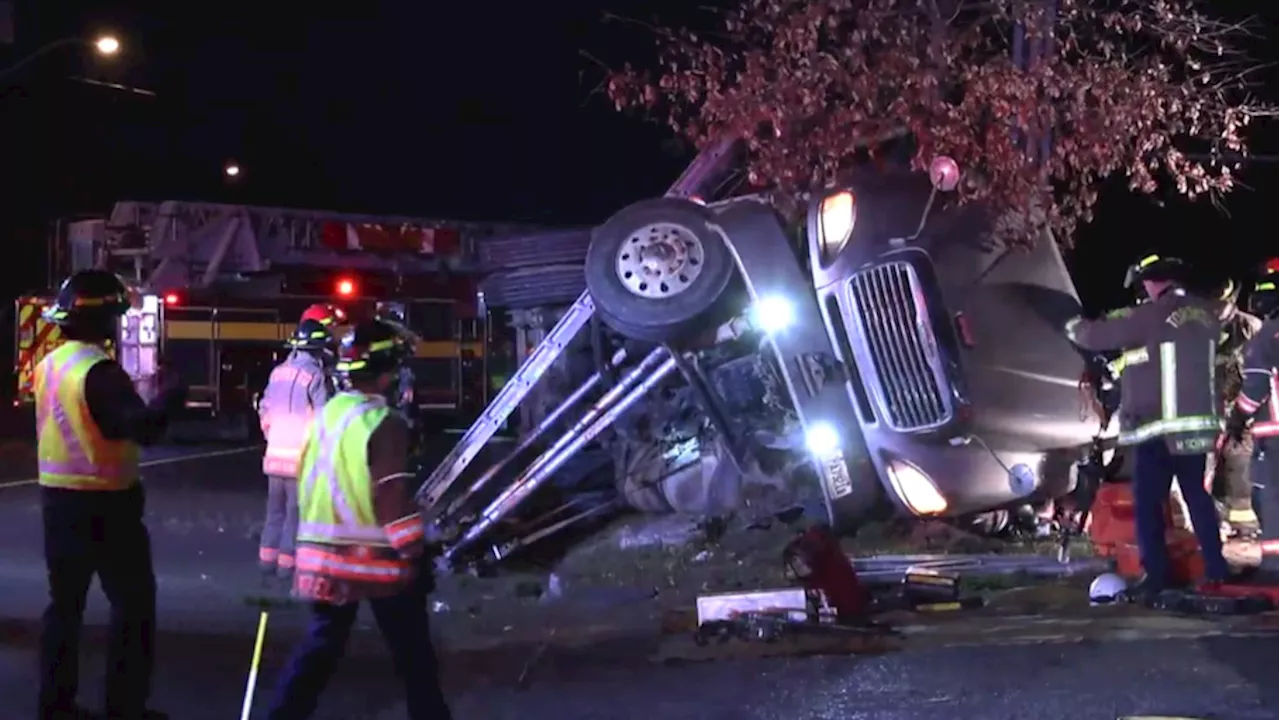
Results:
[221, 288]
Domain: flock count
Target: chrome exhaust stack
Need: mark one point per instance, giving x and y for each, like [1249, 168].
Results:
[457, 506]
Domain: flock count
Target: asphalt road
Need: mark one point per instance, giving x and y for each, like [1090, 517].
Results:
[204, 510]
[1219, 678]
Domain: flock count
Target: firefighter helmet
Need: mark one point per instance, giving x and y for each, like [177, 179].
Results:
[1155, 268]
[89, 295]
[312, 334]
[1263, 299]
[371, 349]
[326, 314]
[1107, 588]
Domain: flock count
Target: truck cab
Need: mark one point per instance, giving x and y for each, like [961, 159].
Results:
[966, 389]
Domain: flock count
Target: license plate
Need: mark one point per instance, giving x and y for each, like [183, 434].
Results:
[836, 474]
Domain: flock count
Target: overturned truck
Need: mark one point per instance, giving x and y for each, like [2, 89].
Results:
[882, 350]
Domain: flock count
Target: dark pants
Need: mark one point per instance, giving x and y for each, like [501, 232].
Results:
[402, 619]
[102, 533]
[280, 528]
[1155, 467]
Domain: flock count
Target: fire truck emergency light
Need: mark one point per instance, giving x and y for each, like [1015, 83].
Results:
[171, 299]
[346, 287]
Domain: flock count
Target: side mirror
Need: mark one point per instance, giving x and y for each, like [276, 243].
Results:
[944, 174]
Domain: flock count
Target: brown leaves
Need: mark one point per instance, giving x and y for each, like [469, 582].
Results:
[814, 86]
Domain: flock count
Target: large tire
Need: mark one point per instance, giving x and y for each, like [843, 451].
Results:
[657, 268]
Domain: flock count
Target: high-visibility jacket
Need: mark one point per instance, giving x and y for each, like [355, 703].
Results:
[72, 453]
[295, 392]
[1167, 383]
[340, 537]
[1260, 392]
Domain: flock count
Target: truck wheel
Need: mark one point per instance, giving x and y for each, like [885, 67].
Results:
[657, 268]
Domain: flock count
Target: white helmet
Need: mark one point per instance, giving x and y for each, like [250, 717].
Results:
[1106, 589]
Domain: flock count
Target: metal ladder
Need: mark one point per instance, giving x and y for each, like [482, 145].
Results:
[505, 403]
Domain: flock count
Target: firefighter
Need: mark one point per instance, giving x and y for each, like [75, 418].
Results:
[297, 389]
[400, 395]
[1168, 410]
[1230, 480]
[361, 536]
[1257, 404]
[90, 421]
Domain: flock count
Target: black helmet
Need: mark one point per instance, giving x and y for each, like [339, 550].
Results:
[1155, 268]
[372, 348]
[95, 296]
[312, 335]
[1263, 299]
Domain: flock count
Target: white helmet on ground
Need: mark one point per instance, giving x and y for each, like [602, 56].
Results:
[1106, 589]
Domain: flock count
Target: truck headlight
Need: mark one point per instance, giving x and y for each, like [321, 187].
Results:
[915, 489]
[836, 218]
[772, 313]
[822, 439]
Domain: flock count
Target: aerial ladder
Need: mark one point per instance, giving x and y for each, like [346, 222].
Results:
[811, 372]
[184, 244]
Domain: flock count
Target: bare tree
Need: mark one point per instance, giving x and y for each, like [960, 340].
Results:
[1158, 90]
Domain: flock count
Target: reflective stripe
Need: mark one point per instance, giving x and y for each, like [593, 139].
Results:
[76, 461]
[1203, 423]
[1247, 405]
[1273, 399]
[1169, 381]
[348, 529]
[1271, 428]
[71, 452]
[1128, 359]
[1242, 516]
[344, 533]
[286, 427]
[1270, 547]
[314, 560]
[405, 531]
[285, 440]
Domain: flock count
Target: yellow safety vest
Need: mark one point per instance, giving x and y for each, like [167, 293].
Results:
[72, 453]
[339, 535]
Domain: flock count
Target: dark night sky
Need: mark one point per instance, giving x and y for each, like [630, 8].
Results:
[473, 110]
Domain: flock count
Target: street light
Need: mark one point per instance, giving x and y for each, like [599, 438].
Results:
[104, 45]
[107, 45]
[232, 170]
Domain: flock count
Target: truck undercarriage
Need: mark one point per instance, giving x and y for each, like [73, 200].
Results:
[904, 366]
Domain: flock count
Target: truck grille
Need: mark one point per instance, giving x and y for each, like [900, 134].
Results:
[895, 329]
